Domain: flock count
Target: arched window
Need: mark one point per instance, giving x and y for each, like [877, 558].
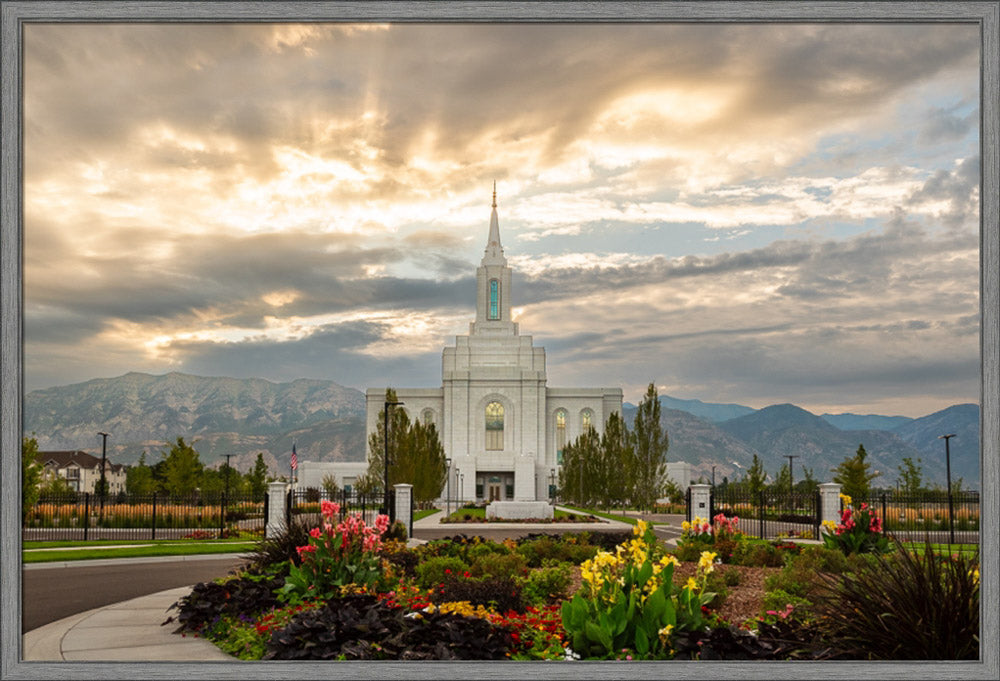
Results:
[494, 299]
[586, 421]
[428, 416]
[560, 434]
[494, 426]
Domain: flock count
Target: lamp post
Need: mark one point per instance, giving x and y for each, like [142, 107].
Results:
[104, 482]
[552, 485]
[461, 488]
[713, 478]
[947, 471]
[447, 462]
[385, 438]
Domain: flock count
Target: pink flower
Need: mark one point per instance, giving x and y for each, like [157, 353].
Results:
[305, 549]
[382, 523]
[315, 533]
[329, 508]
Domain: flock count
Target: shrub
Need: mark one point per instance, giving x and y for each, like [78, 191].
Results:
[510, 565]
[279, 548]
[782, 605]
[905, 606]
[362, 628]
[396, 532]
[209, 600]
[730, 576]
[500, 593]
[800, 575]
[547, 584]
[538, 549]
[433, 571]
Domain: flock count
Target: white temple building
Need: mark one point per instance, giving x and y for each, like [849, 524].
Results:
[500, 424]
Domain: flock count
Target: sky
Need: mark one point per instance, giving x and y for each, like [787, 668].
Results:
[756, 213]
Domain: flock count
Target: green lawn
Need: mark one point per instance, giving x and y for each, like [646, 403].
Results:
[480, 514]
[604, 514]
[34, 552]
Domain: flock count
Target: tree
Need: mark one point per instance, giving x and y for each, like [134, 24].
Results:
[55, 485]
[139, 478]
[31, 475]
[783, 482]
[650, 451]
[755, 478]
[618, 460]
[330, 486]
[257, 477]
[809, 484]
[853, 474]
[416, 455]
[182, 469]
[911, 477]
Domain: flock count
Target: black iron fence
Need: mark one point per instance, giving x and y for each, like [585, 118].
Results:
[305, 505]
[942, 517]
[770, 514]
[85, 516]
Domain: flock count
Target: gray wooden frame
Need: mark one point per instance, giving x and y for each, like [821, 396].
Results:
[15, 14]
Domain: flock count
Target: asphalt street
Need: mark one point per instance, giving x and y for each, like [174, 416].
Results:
[49, 593]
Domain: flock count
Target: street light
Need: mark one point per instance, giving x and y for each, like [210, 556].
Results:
[713, 478]
[447, 462]
[104, 482]
[791, 479]
[461, 488]
[385, 437]
[947, 471]
[552, 485]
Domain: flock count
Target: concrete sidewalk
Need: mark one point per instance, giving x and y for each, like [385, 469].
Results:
[126, 631]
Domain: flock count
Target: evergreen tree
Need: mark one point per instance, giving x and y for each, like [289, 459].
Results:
[808, 484]
[182, 469]
[256, 478]
[755, 478]
[330, 486]
[617, 454]
[783, 482]
[650, 451]
[854, 475]
[31, 475]
[911, 477]
[139, 478]
[416, 455]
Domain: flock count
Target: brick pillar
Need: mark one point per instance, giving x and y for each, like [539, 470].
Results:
[276, 492]
[701, 501]
[829, 502]
[404, 496]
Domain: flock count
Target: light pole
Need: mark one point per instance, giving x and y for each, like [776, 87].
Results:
[552, 485]
[791, 479]
[104, 482]
[447, 462]
[713, 478]
[385, 438]
[461, 488]
[947, 471]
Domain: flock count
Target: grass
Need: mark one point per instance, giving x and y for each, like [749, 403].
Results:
[604, 514]
[480, 513]
[423, 513]
[944, 549]
[88, 551]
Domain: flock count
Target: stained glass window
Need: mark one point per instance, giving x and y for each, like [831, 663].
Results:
[494, 426]
[560, 434]
[494, 299]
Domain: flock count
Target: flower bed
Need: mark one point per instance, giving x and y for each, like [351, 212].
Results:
[343, 592]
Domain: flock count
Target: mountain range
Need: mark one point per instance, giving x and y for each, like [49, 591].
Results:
[241, 417]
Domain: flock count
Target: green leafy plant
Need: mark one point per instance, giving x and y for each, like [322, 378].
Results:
[336, 555]
[547, 584]
[434, 571]
[905, 606]
[628, 601]
[857, 532]
[509, 565]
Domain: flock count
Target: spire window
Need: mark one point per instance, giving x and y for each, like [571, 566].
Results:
[560, 435]
[494, 299]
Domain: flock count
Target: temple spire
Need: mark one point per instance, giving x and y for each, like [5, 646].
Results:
[494, 193]
[494, 250]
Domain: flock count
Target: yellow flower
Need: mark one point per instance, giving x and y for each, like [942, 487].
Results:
[706, 560]
[829, 525]
[640, 528]
[664, 633]
[670, 559]
[846, 499]
[691, 584]
[685, 526]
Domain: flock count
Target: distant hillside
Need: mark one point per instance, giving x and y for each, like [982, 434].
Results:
[960, 419]
[865, 421]
[709, 411]
[225, 415]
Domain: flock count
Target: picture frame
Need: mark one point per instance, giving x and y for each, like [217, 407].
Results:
[16, 14]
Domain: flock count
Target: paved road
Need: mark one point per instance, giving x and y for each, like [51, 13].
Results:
[49, 593]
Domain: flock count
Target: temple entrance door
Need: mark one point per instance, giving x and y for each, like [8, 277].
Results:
[494, 491]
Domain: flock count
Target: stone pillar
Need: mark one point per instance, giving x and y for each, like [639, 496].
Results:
[524, 478]
[404, 514]
[829, 502]
[276, 492]
[701, 505]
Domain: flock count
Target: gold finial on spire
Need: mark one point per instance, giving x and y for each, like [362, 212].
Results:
[494, 193]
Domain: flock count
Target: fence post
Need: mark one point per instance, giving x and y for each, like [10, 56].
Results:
[86, 515]
[701, 498]
[276, 504]
[403, 501]
[222, 518]
[687, 504]
[154, 515]
[817, 509]
[760, 513]
[829, 493]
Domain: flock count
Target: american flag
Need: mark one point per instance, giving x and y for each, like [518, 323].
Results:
[295, 459]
